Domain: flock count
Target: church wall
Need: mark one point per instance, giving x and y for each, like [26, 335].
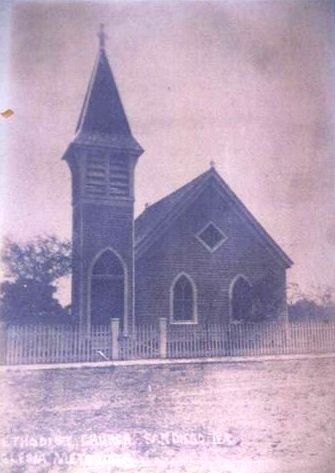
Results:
[101, 227]
[178, 250]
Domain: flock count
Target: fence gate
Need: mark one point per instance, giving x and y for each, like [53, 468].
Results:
[143, 343]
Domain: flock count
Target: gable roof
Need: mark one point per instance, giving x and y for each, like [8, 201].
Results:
[158, 211]
[156, 219]
[102, 119]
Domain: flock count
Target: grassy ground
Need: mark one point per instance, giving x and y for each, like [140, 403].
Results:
[259, 417]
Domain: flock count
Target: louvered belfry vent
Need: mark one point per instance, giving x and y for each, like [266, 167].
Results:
[118, 181]
[96, 184]
[106, 177]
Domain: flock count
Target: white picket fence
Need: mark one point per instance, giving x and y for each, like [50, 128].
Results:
[28, 344]
[56, 344]
[251, 339]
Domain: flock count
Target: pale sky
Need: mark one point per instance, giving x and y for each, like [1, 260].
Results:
[248, 84]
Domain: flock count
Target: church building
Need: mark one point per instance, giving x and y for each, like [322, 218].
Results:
[194, 257]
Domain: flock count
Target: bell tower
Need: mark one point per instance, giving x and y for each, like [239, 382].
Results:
[102, 158]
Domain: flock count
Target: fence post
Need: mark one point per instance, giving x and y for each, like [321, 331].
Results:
[115, 324]
[288, 340]
[163, 337]
[3, 342]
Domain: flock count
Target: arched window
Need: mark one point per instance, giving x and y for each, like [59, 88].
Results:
[107, 288]
[183, 300]
[241, 299]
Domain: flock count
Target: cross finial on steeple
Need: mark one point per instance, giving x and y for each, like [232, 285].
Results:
[102, 36]
[212, 164]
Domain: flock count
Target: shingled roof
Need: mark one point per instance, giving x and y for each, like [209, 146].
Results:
[158, 211]
[154, 221]
[102, 120]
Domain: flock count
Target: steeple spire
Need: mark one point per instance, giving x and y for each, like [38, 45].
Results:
[102, 119]
[102, 36]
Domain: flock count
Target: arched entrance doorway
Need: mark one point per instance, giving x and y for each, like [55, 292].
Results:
[107, 289]
[241, 300]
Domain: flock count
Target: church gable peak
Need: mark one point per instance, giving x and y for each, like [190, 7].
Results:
[155, 220]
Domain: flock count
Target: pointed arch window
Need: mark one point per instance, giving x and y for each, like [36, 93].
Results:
[107, 288]
[183, 300]
[241, 299]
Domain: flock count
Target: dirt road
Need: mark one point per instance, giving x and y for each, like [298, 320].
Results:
[259, 417]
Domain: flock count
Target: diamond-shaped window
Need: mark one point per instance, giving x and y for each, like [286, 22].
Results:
[211, 237]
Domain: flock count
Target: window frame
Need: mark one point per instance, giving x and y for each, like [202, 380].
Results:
[231, 293]
[194, 319]
[204, 244]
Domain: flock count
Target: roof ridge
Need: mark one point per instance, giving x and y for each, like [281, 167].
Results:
[178, 191]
